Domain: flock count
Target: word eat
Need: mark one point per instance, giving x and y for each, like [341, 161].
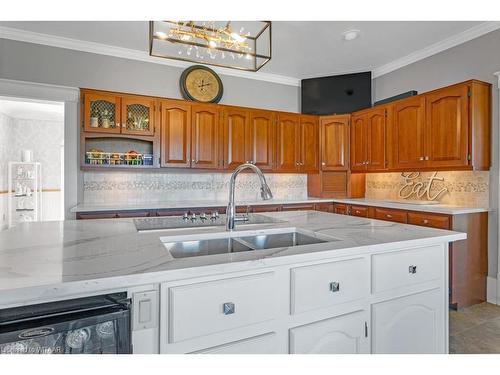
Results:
[420, 188]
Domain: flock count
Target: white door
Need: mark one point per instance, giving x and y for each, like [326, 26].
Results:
[346, 334]
[411, 324]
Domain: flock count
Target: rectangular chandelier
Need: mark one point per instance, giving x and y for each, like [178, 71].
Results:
[244, 45]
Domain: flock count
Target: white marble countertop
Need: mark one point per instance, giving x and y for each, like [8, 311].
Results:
[436, 208]
[96, 207]
[53, 260]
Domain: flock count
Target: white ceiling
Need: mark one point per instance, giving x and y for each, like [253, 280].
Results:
[301, 49]
[43, 111]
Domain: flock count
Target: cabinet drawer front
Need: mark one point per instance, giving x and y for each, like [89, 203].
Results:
[263, 344]
[390, 215]
[405, 268]
[359, 211]
[429, 220]
[325, 285]
[201, 309]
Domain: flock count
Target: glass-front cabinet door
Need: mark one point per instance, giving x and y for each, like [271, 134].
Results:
[138, 115]
[101, 113]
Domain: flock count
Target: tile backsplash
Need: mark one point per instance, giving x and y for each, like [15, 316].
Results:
[137, 187]
[465, 188]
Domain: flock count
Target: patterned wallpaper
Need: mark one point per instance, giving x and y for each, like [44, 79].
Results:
[136, 187]
[469, 188]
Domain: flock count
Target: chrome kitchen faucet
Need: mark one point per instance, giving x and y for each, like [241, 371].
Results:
[265, 193]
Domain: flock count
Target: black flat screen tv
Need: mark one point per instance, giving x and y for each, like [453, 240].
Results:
[339, 94]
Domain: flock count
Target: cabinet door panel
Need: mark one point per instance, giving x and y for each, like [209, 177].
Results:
[447, 121]
[138, 115]
[263, 344]
[205, 138]
[342, 335]
[101, 112]
[288, 143]
[409, 133]
[341, 209]
[261, 139]
[334, 143]
[413, 324]
[309, 144]
[358, 143]
[376, 138]
[236, 143]
[176, 135]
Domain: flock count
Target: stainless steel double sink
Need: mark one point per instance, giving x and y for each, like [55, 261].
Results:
[234, 242]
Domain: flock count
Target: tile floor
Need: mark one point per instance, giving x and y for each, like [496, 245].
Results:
[475, 330]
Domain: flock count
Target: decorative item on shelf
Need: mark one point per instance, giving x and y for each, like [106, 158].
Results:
[27, 156]
[94, 122]
[244, 45]
[132, 158]
[105, 120]
[201, 84]
[24, 192]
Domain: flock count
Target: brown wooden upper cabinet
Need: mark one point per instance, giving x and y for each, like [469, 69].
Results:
[334, 142]
[105, 112]
[288, 142]
[409, 133]
[297, 143]
[447, 124]
[308, 157]
[369, 139]
[175, 134]
[205, 142]
[249, 137]
[190, 135]
[448, 128]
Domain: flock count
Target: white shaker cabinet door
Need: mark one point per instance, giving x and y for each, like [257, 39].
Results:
[346, 334]
[412, 324]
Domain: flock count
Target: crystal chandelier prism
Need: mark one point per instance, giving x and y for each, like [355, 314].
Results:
[244, 45]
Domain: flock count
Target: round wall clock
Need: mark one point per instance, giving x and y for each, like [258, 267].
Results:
[201, 84]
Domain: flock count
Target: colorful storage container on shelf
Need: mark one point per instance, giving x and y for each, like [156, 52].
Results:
[131, 158]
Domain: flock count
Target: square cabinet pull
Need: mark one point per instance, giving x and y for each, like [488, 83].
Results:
[412, 269]
[228, 308]
[334, 286]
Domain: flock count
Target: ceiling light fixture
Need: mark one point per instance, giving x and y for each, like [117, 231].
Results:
[350, 35]
[217, 40]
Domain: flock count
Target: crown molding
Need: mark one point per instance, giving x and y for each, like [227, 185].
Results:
[131, 54]
[435, 48]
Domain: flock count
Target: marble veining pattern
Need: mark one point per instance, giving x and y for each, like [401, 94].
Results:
[161, 186]
[51, 257]
[465, 188]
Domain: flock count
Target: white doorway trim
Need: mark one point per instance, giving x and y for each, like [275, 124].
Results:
[71, 97]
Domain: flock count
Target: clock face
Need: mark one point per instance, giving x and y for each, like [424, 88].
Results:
[201, 84]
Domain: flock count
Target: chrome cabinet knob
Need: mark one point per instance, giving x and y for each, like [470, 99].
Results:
[421, 158]
[388, 216]
[425, 221]
[412, 269]
[334, 286]
[228, 308]
[426, 158]
[323, 163]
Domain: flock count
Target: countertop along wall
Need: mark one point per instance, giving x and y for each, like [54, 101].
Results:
[478, 59]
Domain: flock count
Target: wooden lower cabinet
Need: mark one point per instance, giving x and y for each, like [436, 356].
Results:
[468, 259]
[346, 334]
[412, 324]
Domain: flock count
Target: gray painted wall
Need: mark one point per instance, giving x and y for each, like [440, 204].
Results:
[37, 63]
[479, 59]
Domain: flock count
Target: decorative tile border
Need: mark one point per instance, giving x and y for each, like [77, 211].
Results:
[119, 187]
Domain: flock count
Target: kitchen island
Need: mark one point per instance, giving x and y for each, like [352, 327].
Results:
[365, 286]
